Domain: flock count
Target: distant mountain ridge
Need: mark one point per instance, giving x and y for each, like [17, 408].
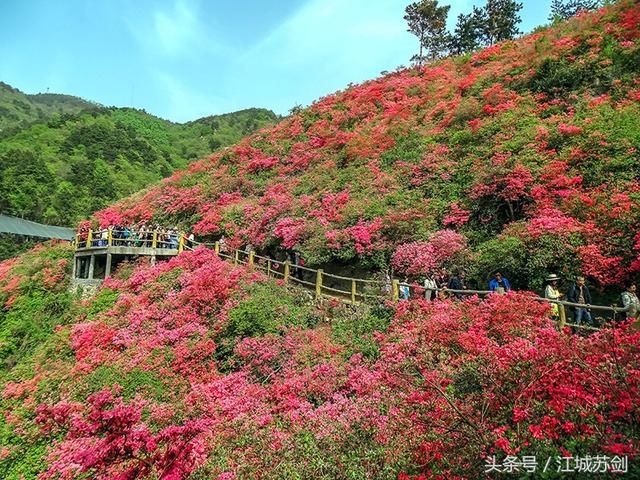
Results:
[17, 107]
[62, 157]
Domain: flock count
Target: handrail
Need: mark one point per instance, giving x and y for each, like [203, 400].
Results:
[354, 293]
[392, 290]
[363, 280]
[155, 239]
[541, 299]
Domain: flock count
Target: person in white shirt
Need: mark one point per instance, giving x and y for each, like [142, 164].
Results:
[430, 287]
[630, 301]
[552, 293]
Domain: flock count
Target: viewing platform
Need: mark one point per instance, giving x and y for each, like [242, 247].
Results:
[98, 253]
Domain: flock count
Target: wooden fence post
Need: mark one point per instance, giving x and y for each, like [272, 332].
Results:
[563, 316]
[216, 248]
[395, 289]
[318, 283]
[77, 241]
[353, 291]
[268, 267]
[181, 244]
[286, 271]
[109, 237]
[251, 255]
[236, 257]
[154, 242]
[89, 239]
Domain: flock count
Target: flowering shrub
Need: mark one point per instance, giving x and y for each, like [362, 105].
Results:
[219, 374]
[32, 295]
[504, 384]
[290, 231]
[443, 249]
[457, 216]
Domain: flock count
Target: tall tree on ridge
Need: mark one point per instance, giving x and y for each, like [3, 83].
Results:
[564, 9]
[428, 22]
[500, 21]
[466, 35]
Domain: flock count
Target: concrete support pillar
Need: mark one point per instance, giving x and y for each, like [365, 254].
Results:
[74, 267]
[153, 259]
[107, 268]
[92, 264]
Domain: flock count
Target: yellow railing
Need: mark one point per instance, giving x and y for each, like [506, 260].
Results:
[105, 238]
[353, 290]
[357, 290]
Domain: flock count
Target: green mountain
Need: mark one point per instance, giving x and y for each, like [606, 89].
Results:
[18, 109]
[62, 158]
[75, 157]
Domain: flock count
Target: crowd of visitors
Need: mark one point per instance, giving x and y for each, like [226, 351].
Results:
[137, 236]
[443, 285]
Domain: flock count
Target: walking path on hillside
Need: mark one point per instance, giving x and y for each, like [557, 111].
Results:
[323, 285]
[362, 290]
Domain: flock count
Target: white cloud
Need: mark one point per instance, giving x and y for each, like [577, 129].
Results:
[327, 44]
[355, 32]
[322, 47]
[177, 29]
[344, 32]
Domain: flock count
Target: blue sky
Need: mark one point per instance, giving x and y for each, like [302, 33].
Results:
[184, 59]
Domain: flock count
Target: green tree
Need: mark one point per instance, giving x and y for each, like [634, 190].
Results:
[428, 22]
[564, 9]
[25, 183]
[467, 33]
[500, 21]
[65, 203]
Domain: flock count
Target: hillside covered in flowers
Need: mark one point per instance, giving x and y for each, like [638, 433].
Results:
[521, 157]
[194, 368]
[528, 149]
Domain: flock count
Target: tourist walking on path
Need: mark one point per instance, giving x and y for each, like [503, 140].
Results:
[404, 289]
[457, 282]
[630, 301]
[499, 284]
[386, 283]
[430, 288]
[579, 293]
[551, 292]
[442, 278]
[298, 261]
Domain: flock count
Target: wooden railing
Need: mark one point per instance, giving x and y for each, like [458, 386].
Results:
[353, 290]
[358, 290]
[105, 238]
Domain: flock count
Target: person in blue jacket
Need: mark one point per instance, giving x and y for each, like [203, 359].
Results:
[499, 283]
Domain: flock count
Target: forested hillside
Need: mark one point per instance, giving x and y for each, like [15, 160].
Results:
[62, 158]
[62, 170]
[523, 156]
[18, 109]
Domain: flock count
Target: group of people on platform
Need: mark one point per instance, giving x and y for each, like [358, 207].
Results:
[442, 286]
[138, 236]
